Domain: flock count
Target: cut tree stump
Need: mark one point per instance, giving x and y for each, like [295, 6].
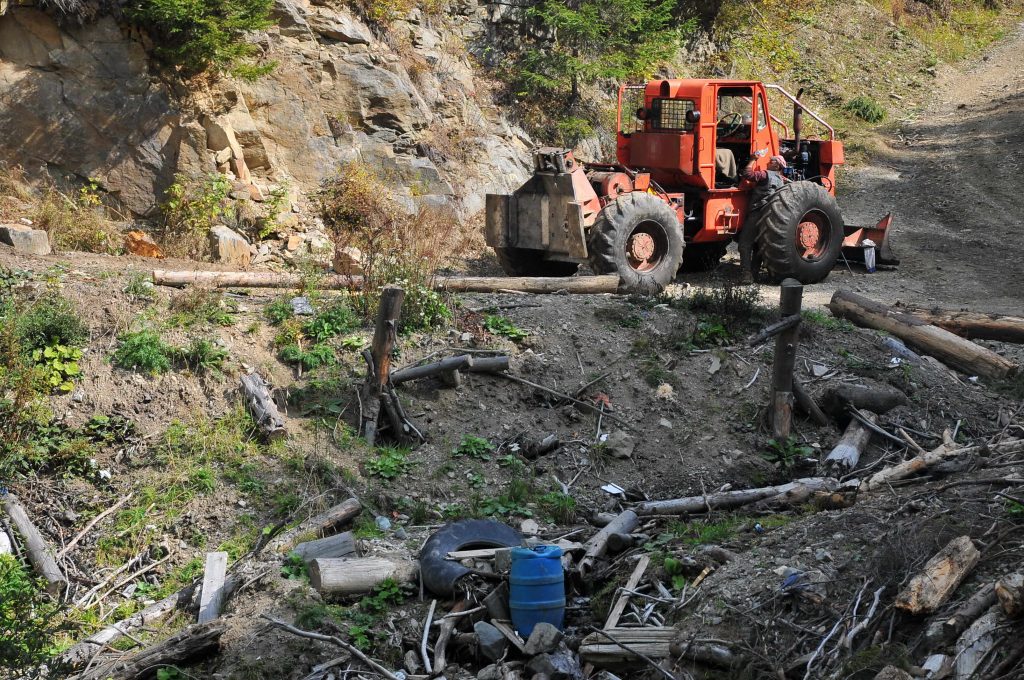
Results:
[195, 641]
[40, 552]
[951, 349]
[850, 447]
[608, 283]
[262, 407]
[971, 325]
[212, 594]
[790, 296]
[358, 575]
[1010, 592]
[339, 545]
[941, 576]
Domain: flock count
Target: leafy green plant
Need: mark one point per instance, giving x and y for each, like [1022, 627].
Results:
[193, 204]
[331, 321]
[60, 366]
[279, 311]
[389, 463]
[824, 320]
[865, 108]
[50, 321]
[474, 447]
[785, 454]
[196, 35]
[710, 332]
[503, 326]
[144, 351]
[28, 620]
[203, 480]
[139, 287]
[201, 306]
[294, 567]
[203, 356]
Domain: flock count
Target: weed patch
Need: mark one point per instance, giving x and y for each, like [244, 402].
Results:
[144, 351]
[503, 326]
[389, 463]
[474, 447]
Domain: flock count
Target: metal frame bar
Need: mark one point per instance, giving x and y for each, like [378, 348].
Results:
[812, 114]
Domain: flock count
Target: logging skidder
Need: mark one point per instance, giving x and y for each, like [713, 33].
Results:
[674, 197]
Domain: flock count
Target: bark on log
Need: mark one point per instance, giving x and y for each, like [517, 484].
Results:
[951, 349]
[385, 333]
[790, 295]
[941, 576]
[971, 325]
[322, 525]
[211, 596]
[625, 523]
[732, 499]
[195, 641]
[875, 398]
[703, 652]
[848, 450]
[40, 552]
[262, 407]
[975, 644]
[1010, 591]
[924, 461]
[85, 650]
[358, 575]
[608, 283]
[948, 628]
[339, 545]
[497, 364]
[458, 363]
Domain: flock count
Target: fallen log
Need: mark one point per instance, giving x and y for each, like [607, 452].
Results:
[922, 462]
[710, 654]
[975, 644]
[971, 325]
[358, 575]
[625, 523]
[951, 349]
[732, 499]
[211, 596]
[845, 455]
[939, 578]
[195, 641]
[948, 628]
[808, 403]
[608, 283]
[463, 362]
[320, 525]
[838, 400]
[339, 545]
[40, 552]
[262, 407]
[1010, 591]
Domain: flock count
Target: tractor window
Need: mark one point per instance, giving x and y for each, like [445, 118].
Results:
[670, 114]
[762, 115]
[735, 112]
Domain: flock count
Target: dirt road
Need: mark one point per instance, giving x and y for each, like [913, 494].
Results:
[954, 179]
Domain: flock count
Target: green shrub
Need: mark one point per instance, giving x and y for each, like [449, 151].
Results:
[200, 34]
[279, 311]
[309, 359]
[144, 351]
[474, 447]
[193, 205]
[50, 321]
[389, 463]
[203, 356]
[28, 620]
[503, 326]
[202, 306]
[865, 108]
[331, 321]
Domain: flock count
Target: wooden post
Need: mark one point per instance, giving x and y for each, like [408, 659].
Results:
[790, 296]
[379, 369]
[212, 594]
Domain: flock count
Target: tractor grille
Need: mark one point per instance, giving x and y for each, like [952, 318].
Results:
[670, 114]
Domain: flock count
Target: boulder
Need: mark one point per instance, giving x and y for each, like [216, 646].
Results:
[140, 243]
[620, 444]
[24, 239]
[339, 25]
[544, 639]
[491, 641]
[348, 260]
[229, 247]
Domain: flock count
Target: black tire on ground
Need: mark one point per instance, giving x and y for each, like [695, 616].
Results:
[703, 257]
[527, 262]
[639, 238]
[800, 232]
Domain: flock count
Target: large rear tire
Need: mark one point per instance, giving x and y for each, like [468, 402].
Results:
[527, 262]
[638, 237]
[800, 233]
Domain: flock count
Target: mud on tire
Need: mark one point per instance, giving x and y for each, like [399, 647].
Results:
[800, 232]
[637, 237]
[527, 262]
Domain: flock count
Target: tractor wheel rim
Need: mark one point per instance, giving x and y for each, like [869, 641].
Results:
[813, 234]
[646, 246]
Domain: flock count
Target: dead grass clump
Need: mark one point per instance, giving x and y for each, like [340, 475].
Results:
[397, 248]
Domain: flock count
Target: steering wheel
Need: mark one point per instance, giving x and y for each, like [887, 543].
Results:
[737, 122]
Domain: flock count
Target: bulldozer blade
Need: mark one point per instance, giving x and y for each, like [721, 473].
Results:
[853, 243]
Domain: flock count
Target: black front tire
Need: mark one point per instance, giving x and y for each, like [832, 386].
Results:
[527, 262]
[639, 238]
[800, 233]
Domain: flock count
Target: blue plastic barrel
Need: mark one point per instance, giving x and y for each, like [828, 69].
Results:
[536, 588]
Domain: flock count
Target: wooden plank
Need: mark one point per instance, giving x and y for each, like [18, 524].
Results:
[212, 595]
[631, 584]
[652, 641]
[509, 632]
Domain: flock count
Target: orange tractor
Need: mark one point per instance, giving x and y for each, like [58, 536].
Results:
[675, 199]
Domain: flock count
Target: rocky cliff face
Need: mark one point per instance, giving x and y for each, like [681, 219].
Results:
[86, 101]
